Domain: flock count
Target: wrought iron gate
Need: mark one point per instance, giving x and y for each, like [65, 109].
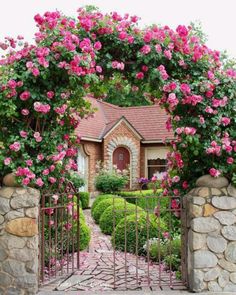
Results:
[149, 240]
[59, 233]
[141, 251]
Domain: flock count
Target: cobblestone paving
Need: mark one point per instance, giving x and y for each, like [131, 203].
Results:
[97, 271]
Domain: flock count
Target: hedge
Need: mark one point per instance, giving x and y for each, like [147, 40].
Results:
[145, 199]
[111, 216]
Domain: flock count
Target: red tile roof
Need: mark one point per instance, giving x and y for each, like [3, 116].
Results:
[149, 121]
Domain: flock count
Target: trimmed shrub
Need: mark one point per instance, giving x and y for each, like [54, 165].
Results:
[106, 221]
[98, 199]
[132, 224]
[81, 215]
[84, 198]
[85, 235]
[110, 181]
[103, 205]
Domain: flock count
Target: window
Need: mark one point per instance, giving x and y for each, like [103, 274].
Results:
[156, 163]
[82, 163]
[156, 167]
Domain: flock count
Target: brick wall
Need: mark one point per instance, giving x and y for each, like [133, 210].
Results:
[94, 152]
[142, 161]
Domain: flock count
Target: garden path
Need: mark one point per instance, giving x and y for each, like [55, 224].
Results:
[97, 270]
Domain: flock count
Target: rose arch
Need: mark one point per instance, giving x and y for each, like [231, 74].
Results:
[42, 90]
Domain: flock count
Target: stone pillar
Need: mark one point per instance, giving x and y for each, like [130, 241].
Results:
[19, 240]
[211, 235]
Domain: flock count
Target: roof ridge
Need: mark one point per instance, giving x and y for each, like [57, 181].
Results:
[109, 104]
[141, 107]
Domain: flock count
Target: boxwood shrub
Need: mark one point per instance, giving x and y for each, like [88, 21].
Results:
[100, 198]
[85, 235]
[133, 223]
[84, 198]
[111, 216]
[102, 206]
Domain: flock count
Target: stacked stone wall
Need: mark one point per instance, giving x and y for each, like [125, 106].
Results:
[211, 235]
[19, 241]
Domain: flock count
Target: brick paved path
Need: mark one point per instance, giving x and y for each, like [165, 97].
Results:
[97, 271]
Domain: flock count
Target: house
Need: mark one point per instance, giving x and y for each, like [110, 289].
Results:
[131, 137]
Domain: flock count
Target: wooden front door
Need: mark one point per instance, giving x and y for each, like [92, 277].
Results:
[121, 158]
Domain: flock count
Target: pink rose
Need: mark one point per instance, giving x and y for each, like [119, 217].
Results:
[68, 226]
[25, 181]
[39, 182]
[145, 49]
[25, 112]
[23, 133]
[38, 139]
[15, 146]
[52, 179]
[140, 75]
[144, 68]
[230, 160]
[168, 54]
[35, 72]
[41, 108]
[52, 168]
[25, 95]
[185, 184]
[97, 45]
[29, 162]
[182, 31]
[185, 88]
[225, 121]
[50, 94]
[201, 120]
[36, 135]
[214, 172]
[176, 178]
[99, 69]
[40, 157]
[158, 48]
[45, 171]
[130, 39]
[29, 64]
[122, 35]
[7, 161]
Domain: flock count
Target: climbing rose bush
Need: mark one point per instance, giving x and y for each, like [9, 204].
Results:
[42, 90]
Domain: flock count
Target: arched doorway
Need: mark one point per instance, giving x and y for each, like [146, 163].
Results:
[121, 158]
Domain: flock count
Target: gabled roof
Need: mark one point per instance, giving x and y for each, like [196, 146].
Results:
[112, 126]
[149, 122]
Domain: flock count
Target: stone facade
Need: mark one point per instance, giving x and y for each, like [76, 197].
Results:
[19, 240]
[210, 228]
[122, 135]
